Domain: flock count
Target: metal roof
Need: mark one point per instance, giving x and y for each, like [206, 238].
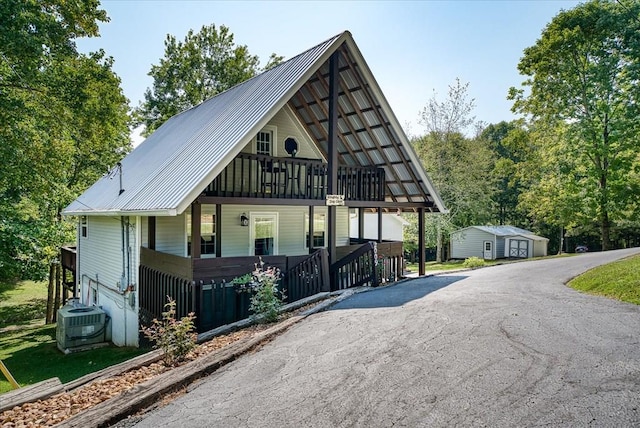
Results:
[164, 174]
[509, 231]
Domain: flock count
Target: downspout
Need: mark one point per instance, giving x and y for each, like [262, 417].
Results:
[123, 278]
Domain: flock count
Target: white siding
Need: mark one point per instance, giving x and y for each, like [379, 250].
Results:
[540, 248]
[101, 271]
[171, 235]
[100, 253]
[392, 226]
[342, 228]
[286, 125]
[291, 231]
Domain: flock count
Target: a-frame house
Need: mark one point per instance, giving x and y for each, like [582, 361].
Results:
[271, 167]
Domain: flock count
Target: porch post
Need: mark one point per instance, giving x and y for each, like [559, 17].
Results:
[196, 210]
[421, 246]
[361, 223]
[218, 230]
[151, 233]
[379, 224]
[310, 231]
[333, 152]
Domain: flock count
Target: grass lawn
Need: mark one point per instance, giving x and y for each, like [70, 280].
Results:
[31, 355]
[30, 352]
[619, 280]
[22, 302]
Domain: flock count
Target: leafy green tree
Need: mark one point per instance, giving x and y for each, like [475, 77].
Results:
[459, 166]
[63, 121]
[505, 139]
[582, 76]
[203, 65]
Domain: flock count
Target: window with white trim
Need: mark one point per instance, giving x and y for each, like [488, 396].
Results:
[84, 226]
[207, 230]
[264, 142]
[319, 230]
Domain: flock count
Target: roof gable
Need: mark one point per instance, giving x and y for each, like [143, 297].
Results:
[173, 165]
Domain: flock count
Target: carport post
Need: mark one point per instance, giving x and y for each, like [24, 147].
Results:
[421, 246]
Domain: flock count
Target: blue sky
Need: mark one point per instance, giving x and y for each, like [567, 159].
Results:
[412, 47]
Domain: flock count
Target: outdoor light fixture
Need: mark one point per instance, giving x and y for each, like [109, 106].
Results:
[244, 220]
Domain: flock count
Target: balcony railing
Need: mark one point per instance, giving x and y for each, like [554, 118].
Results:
[259, 176]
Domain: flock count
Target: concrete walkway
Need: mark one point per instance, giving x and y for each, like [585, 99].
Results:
[502, 346]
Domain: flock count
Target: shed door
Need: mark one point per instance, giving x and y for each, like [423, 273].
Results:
[519, 248]
[488, 250]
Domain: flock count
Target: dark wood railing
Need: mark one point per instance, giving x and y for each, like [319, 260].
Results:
[309, 277]
[156, 286]
[260, 176]
[355, 269]
[205, 287]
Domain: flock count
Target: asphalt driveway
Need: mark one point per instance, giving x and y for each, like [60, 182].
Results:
[502, 346]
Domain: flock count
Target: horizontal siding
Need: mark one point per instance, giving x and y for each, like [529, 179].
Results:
[287, 126]
[100, 253]
[171, 236]
[469, 243]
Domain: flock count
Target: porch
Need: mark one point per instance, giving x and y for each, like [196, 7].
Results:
[205, 287]
[261, 176]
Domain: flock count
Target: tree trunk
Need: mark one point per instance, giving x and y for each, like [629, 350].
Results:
[56, 302]
[561, 240]
[605, 230]
[50, 292]
[439, 244]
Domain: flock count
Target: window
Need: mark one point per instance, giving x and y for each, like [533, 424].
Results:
[263, 143]
[266, 141]
[207, 230]
[319, 230]
[264, 234]
[84, 226]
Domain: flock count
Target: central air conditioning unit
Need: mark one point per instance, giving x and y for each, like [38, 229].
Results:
[80, 325]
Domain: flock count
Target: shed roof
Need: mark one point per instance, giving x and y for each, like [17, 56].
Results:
[507, 231]
[164, 174]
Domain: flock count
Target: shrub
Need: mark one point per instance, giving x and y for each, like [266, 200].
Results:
[266, 300]
[176, 338]
[473, 262]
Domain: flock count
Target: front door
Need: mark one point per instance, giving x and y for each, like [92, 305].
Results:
[264, 234]
[488, 250]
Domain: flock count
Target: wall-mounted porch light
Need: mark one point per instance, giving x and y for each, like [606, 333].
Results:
[244, 220]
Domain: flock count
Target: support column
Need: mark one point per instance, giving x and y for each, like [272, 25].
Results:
[333, 153]
[218, 230]
[151, 233]
[196, 216]
[379, 224]
[310, 230]
[361, 223]
[421, 246]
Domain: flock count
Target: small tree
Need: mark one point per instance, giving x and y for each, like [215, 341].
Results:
[266, 300]
[176, 338]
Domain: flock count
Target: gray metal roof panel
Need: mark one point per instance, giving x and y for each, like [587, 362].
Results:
[184, 154]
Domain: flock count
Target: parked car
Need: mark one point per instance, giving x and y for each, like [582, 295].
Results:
[581, 249]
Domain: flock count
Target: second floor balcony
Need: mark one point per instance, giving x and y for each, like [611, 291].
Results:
[261, 176]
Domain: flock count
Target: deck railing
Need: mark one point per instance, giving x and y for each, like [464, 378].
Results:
[355, 269]
[209, 292]
[309, 277]
[260, 176]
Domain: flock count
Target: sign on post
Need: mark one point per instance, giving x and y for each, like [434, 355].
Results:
[335, 200]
